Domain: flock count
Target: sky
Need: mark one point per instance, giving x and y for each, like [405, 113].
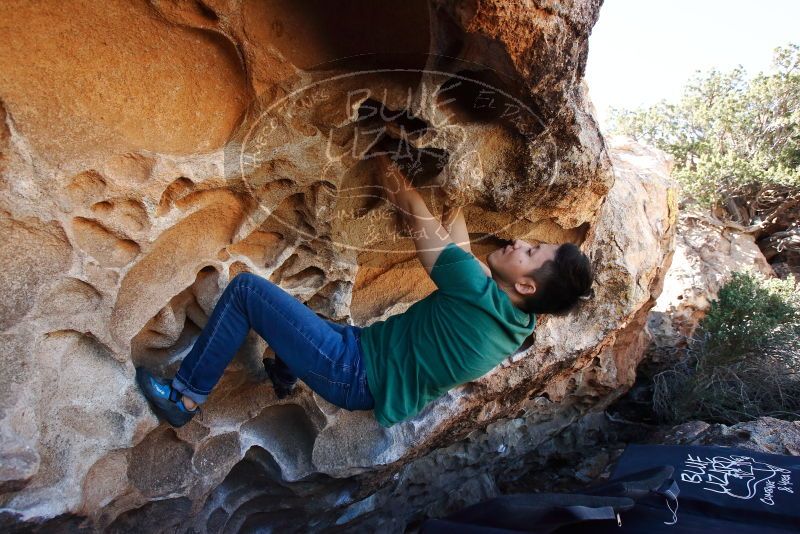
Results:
[641, 51]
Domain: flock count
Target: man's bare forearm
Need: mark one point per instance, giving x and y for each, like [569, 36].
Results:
[407, 198]
[403, 195]
[412, 205]
[429, 235]
[453, 221]
[398, 189]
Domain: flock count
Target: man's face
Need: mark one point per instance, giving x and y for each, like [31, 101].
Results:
[515, 262]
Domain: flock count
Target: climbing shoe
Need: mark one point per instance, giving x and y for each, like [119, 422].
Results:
[283, 382]
[165, 401]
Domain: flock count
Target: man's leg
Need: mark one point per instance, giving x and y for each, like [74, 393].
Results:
[283, 380]
[303, 340]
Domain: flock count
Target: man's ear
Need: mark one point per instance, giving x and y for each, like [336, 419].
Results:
[526, 286]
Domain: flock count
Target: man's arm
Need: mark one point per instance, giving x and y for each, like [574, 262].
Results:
[453, 221]
[430, 237]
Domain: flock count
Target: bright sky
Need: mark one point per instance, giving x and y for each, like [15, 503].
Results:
[641, 51]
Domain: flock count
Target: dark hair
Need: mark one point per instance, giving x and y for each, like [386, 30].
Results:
[560, 282]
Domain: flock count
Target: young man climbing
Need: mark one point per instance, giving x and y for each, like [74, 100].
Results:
[478, 315]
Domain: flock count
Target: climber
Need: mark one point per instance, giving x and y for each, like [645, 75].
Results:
[479, 315]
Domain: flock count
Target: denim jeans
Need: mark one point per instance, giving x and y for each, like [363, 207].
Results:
[325, 355]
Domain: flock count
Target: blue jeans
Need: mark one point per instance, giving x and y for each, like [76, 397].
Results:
[325, 355]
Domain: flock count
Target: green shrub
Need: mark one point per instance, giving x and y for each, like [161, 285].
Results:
[743, 360]
[728, 130]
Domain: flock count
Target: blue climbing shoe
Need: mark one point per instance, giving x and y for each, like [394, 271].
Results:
[283, 382]
[165, 401]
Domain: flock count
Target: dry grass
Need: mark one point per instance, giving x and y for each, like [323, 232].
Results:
[743, 362]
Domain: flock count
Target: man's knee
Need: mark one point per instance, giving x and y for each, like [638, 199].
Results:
[244, 277]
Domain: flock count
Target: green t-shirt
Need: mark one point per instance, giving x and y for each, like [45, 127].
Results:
[458, 333]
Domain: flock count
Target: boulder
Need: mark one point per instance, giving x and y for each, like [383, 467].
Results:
[707, 252]
[153, 150]
[765, 434]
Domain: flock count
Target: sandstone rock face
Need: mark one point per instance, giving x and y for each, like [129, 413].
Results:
[765, 434]
[153, 150]
[707, 252]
